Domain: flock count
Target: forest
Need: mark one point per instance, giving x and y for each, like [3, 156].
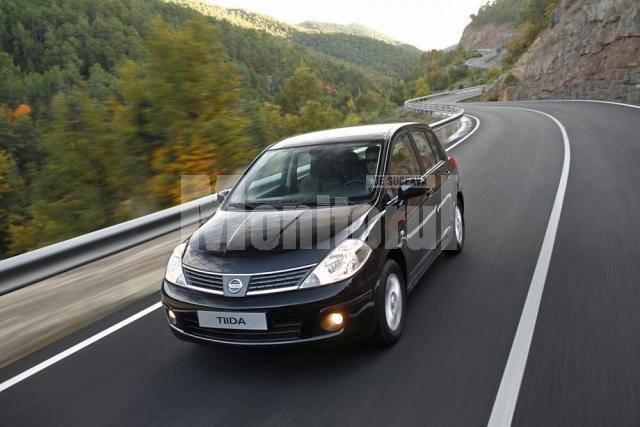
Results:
[105, 104]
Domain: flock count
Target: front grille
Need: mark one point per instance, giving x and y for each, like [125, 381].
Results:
[283, 279]
[202, 279]
[278, 331]
[258, 282]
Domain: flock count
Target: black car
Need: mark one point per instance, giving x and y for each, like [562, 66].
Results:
[321, 239]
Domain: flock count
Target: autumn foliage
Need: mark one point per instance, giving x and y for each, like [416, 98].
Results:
[22, 110]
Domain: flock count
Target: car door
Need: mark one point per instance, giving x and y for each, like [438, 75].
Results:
[404, 163]
[445, 184]
[425, 233]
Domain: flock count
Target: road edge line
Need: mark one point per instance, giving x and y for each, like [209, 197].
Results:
[507, 396]
[525, 101]
[74, 349]
[467, 135]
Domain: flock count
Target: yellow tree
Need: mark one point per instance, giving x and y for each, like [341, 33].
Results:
[422, 87]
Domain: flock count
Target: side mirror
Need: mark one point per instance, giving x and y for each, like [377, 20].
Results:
[222, 195]
[412, 187]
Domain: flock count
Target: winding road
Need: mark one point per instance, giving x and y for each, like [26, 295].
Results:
[532, 325]
[489, 58]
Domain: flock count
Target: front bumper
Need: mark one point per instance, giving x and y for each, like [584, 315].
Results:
[292, 317]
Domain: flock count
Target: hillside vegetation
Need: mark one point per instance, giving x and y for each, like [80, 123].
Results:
[497, 12]
[105, 105]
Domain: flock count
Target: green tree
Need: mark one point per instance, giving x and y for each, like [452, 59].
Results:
[84, 177]
[301, 87]
[11, 199]
[315, 116]
[182, 115]
[274, 125]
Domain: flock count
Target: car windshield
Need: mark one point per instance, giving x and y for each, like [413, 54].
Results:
[309, 175]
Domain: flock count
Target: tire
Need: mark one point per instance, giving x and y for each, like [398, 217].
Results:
[391, 297]
[459, 231]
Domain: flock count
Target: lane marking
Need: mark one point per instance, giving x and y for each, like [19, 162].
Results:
[507, 397]
[71, 350]
[468, 135]
[622, 104]
[600, 102]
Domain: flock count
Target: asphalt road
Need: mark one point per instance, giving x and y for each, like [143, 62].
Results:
[488, 59]
[457, 96]
[584, 362]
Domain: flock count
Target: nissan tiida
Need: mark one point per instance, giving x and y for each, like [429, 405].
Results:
[321, 239]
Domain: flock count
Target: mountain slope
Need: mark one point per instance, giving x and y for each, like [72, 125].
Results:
[354, 44]
[350, 29]
[242, 18]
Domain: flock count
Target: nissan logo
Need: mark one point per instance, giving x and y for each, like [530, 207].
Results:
[234, 286]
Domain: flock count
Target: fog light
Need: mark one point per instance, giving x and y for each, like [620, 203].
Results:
[172, 316]
[332, 321]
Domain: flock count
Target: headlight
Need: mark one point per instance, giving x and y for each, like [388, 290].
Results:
[341, 263]
[174, 267]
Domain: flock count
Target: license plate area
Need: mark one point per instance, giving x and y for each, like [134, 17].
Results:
[232, 320]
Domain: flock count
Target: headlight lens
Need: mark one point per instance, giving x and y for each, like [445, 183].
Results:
[174, 267]
[341, 263]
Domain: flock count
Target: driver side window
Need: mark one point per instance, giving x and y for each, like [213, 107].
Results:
[402, 163]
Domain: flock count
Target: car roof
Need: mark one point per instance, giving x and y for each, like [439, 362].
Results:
[377, 132]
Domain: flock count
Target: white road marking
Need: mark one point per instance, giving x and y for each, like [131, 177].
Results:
[505, 404]
[71, 350]
[578, 100]
[68, 352]
[600, 102]
[468, 135]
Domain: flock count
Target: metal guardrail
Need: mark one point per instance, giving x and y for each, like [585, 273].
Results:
[31, 267]
[452, 123]
[22, 270]
[450, 113]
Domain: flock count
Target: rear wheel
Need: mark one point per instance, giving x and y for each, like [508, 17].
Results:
[458, 230]
[390, 305]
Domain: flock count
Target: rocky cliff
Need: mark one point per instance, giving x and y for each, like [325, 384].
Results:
[488, 36]
[591, 50]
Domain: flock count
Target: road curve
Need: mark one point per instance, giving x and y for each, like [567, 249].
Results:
[457, 96]
[489, 58]
[582, 367]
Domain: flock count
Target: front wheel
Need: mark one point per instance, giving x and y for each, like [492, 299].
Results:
[390, 305]
[458, 230]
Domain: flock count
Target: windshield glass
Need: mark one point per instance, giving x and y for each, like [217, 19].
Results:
[326, 173]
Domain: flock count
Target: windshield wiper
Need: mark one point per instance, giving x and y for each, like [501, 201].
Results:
[292, 203]
[245, 206]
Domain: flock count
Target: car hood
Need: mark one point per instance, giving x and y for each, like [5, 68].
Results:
[267, 240]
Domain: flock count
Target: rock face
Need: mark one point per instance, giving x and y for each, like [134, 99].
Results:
[591, 50]
[489, 36]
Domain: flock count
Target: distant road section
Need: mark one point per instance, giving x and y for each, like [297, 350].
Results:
[457, 96]
[489, 59]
